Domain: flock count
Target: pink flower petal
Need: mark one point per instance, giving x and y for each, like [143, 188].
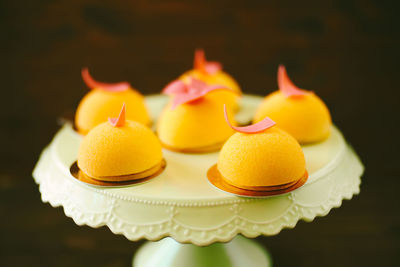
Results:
[195, 90]
[199, 60]
[255, 128]
[196, 84]
[120, 121]
[175, 87]
[180, 99]
[201, 64]
[213, 67]
[286, 86]
[110, 87]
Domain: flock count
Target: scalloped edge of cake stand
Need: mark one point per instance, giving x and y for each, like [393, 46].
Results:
[88, 205]
[154, 219]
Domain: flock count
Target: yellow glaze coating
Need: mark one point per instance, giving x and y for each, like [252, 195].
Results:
[219, 78]
[114, 151]
[98, 105]
[269, 158]
[193, 125]
[305, 117]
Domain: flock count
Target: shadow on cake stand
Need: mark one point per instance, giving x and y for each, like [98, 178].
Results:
[189, 221]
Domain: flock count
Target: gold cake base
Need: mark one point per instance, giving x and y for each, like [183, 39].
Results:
[122, 180]
[217, 180]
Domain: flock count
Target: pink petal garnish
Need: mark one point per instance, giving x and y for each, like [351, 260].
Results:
[199, 60]
[195, 90]
[201, 64]
[196, 84]
[213, 67]
[255, 128]
[110, 87]
[187, 98]
[175, 87]
[286, 86]
[120, 121]
[182, 99]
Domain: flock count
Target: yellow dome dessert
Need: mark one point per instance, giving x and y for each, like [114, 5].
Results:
[120, 150]
[261, 157]
[105, 100]
[212, 74]
[193, 122]
[269, 158]
[301, 113]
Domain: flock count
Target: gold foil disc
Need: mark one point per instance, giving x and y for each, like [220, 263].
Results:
[116, 181]
[216, 179]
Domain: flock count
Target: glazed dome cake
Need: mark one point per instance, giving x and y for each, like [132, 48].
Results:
[260, 157]
[119, 150]
[212, 74]
[193, 121]
[105, 100]
[272, 157]
[301, 113]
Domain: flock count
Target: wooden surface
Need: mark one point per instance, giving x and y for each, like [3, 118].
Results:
[346, 51]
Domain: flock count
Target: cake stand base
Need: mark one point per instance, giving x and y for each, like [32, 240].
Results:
[168, 253]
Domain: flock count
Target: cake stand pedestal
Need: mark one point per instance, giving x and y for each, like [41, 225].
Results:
[194, 223]
[239, 252]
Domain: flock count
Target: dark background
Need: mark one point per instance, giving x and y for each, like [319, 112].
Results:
[346, 51]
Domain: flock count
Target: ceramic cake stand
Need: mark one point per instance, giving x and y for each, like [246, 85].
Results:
[182, 206]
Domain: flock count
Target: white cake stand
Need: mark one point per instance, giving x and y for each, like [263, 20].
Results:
[181, 205]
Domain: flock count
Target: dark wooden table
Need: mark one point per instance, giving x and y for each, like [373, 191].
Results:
[346, 51]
